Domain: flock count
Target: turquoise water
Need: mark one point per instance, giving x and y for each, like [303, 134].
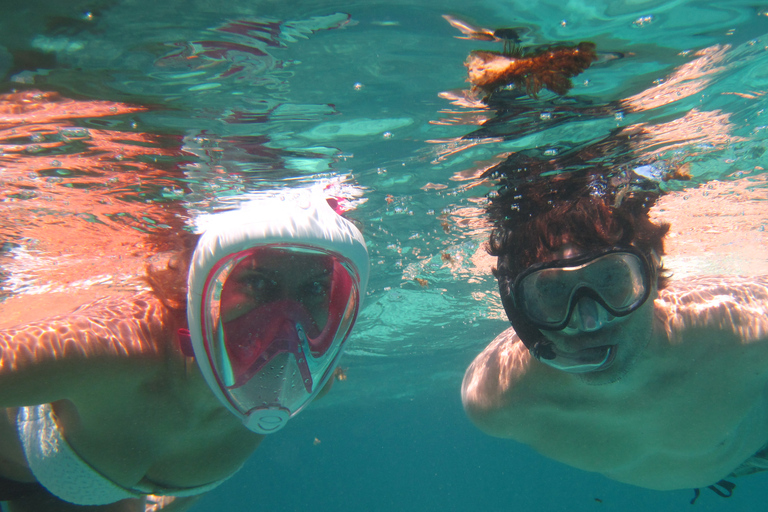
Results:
[132, 118]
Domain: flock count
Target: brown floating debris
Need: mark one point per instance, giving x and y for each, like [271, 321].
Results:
[680, 173]
[340, 373]
[549, 67]
[469, 31]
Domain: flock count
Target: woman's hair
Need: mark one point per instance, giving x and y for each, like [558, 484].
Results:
[166, 273]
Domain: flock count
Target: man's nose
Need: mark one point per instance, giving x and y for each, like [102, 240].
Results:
[588, 316]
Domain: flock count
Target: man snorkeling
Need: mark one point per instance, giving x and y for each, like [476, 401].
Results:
[146, 402]
[609, 365]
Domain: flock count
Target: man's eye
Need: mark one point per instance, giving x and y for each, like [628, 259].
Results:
[551, 283]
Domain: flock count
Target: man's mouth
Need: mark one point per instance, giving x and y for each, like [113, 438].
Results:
[583, 361]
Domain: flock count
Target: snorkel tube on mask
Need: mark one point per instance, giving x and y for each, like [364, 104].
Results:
[270, 358]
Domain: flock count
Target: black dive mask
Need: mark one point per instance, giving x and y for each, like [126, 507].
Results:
[545, 295]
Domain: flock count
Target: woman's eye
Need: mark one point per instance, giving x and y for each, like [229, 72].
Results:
[260, 285]
[317, 288]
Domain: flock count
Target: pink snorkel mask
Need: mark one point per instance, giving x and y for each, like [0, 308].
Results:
[275, 288]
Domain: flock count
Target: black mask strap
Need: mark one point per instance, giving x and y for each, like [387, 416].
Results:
[537, 344]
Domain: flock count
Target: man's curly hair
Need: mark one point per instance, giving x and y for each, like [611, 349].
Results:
[536, 210]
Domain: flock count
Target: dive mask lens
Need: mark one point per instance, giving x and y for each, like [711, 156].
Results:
[617, 279]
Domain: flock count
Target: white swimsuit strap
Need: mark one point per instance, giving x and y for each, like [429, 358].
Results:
[57, 467]
[64, 474]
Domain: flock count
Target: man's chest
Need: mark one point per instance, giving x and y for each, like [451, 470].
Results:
[681, 428]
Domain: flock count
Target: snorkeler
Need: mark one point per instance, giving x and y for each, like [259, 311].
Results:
[168, 393]
[610, 366]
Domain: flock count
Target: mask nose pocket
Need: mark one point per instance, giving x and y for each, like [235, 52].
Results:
[250, 341]
[589, 316]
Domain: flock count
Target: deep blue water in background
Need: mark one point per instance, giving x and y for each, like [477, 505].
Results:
[362, 92]
[422, 454]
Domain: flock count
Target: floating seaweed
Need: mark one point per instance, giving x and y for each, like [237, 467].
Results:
[548, 67]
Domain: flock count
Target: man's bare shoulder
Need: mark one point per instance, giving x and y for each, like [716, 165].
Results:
[726, 303]
[494, 372]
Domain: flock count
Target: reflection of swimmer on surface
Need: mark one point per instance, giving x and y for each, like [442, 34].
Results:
[104, 406]
[610, 366]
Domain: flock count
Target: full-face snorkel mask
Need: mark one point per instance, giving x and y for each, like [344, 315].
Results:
[274, 290]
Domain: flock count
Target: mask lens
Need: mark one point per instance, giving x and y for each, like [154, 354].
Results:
[546, 295]
[275, 322]
[617, 280]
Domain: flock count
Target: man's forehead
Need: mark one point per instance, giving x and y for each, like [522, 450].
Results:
[567, 250]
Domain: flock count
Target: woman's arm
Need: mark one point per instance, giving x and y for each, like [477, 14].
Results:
[48, 360]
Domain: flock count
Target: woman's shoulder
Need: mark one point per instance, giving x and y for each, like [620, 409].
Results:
[122, 324]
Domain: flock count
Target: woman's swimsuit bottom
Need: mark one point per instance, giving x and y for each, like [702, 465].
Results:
[63, 473]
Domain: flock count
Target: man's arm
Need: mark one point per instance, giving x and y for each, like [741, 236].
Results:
[487, 391]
